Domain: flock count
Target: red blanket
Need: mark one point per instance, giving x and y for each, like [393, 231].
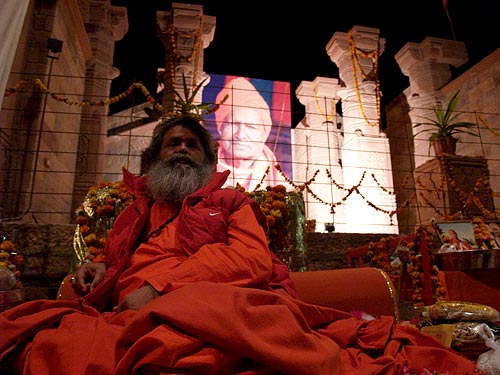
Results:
[209, 328]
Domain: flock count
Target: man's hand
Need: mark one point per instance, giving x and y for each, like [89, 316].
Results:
[87, 276]
[137, 299]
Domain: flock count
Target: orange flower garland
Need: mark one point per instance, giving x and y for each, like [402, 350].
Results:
[96, 215]
[381, 255]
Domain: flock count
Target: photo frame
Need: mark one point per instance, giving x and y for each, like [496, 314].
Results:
[459, 234]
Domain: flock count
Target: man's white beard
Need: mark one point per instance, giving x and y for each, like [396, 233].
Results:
[173, 179]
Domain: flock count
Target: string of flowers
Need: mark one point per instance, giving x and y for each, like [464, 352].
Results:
[328, 118]
[356, 65]
[446, 217]
[482, 233]
[438, 189]
[466, 199]
[417, 270]
[175, 57]
[381, 255]
[355, 188]
[487, 126]
[181, 106]
[262, 179]
[385, 190]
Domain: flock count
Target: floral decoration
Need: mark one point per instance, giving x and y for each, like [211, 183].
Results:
[11, 260]
[181, 106]
[95, 218]
[404, 265]
[310, 225]
[284, 212]
[482, 233]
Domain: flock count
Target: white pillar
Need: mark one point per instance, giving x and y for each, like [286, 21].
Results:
[366, 162]
[316, 143]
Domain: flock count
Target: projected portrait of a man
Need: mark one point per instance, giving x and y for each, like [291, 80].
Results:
[244, 124]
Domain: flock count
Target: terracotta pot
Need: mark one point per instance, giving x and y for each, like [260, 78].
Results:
[446, 145]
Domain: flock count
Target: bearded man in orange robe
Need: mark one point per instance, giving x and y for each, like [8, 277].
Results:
[189, 286]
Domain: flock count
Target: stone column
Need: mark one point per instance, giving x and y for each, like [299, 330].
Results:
[186, 32]
[105, 25]
[427, 66]
[316, 143]
[365, 152]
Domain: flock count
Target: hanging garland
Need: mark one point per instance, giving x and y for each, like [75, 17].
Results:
[356, 65]
[328, 118]
[205, 109]
[381, 255]
[181, 106]
[487, 126]
[175, 57]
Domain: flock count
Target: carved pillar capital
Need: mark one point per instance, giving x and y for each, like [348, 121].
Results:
[185, 31]
[320, 99]
[366, 42]
[427, 64]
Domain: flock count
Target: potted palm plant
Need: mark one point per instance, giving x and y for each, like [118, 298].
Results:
[444, 128]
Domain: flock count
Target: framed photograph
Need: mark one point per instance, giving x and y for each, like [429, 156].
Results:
[459, 235]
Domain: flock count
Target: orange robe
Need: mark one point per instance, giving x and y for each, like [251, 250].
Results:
[215, 316]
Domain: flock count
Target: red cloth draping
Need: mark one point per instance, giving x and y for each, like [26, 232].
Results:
[213, 328]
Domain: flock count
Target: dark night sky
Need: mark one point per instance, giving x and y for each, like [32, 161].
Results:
[287, 42]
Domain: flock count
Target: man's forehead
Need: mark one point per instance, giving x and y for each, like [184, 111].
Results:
[180, 131]
[245, 115]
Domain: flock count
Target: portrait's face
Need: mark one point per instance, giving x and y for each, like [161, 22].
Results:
[243, 135]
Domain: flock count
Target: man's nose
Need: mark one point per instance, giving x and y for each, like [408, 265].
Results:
[182, 147]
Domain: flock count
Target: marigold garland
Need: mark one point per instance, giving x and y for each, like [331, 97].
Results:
[382, 256]
[356, 65]
[187, 105]
[181, 106]
[95, 218]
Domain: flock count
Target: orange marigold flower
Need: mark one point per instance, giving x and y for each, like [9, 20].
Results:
[90, 238]
[81, 220]
[84, 229]
[279, 205]
[8, 246]
[94, 250]
[108, 209]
